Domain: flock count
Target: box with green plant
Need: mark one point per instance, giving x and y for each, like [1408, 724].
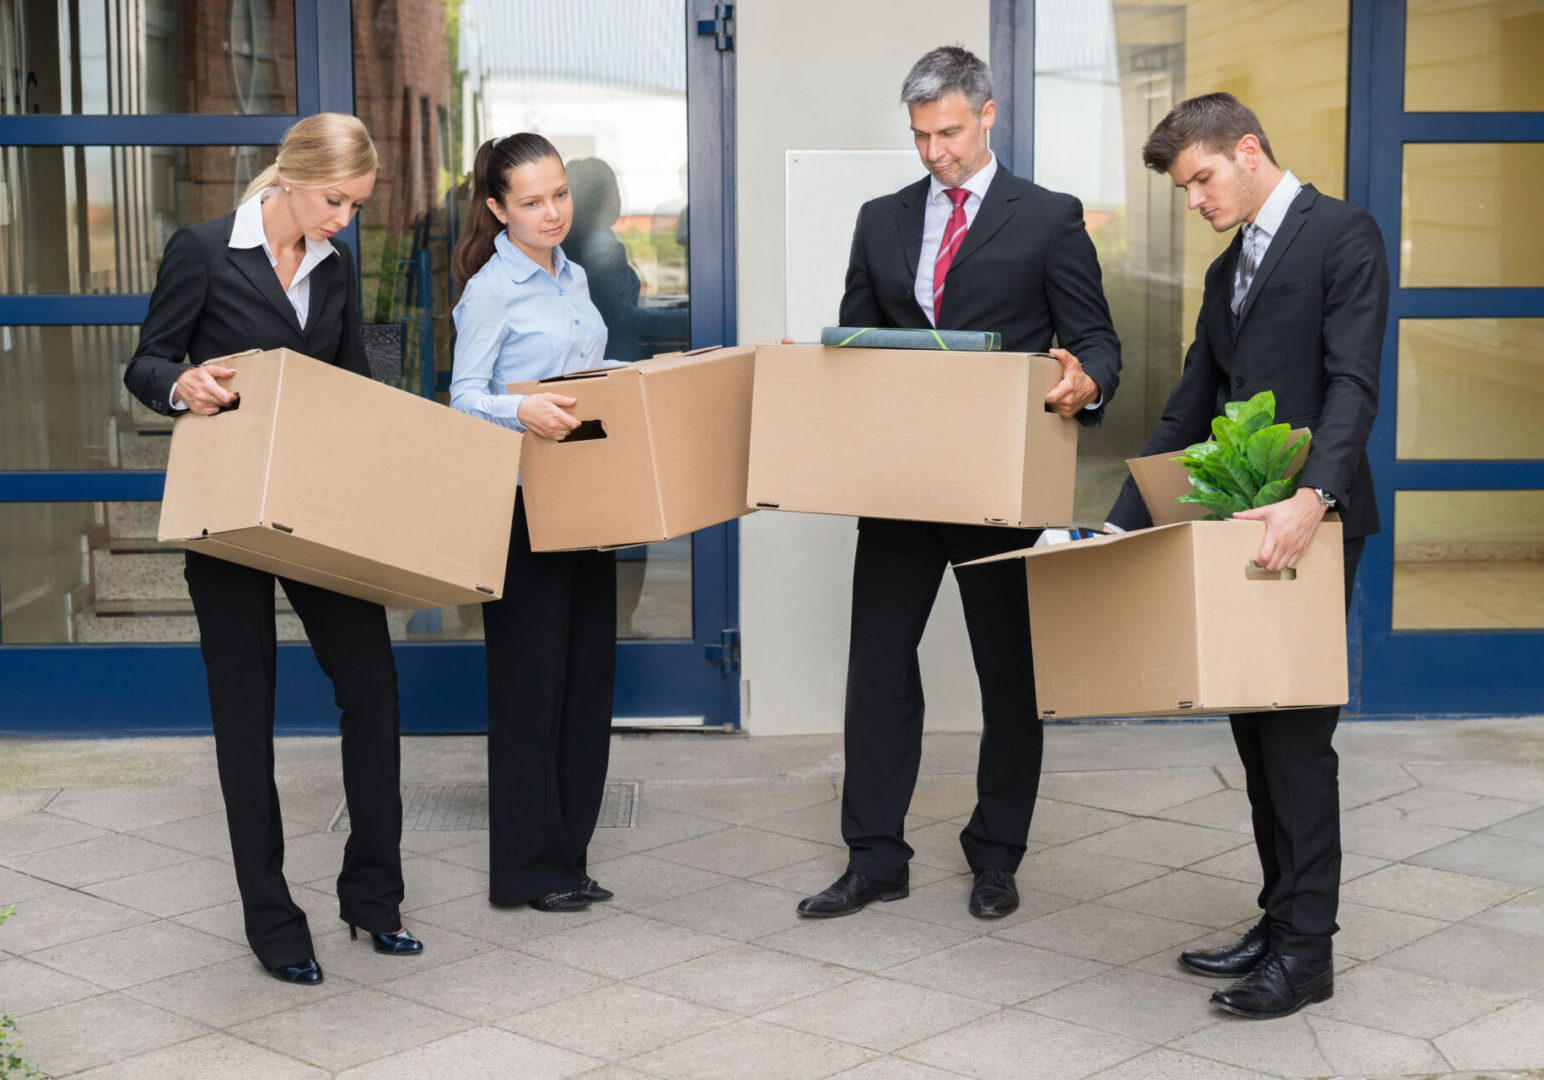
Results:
[1247, 463]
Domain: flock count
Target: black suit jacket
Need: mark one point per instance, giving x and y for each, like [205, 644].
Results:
[1026, 269]
[212, 300]
[1311, 331]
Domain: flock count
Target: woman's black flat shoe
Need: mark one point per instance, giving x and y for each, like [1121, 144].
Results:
[400, 943]
[305, 973]
[573, 900]
[591, 889]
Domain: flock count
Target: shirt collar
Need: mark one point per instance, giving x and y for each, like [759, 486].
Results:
[520, 265]
[976, 185]
[248, 232]
[1274, 210]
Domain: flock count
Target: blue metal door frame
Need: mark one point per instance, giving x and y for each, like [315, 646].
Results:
[1426, 672]
[145, 689]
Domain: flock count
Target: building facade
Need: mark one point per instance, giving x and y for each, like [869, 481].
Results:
[690, 129]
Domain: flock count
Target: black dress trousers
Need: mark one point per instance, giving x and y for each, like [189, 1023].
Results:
[234, 605]
[551, 647]
[898, 569]
[1291, 772]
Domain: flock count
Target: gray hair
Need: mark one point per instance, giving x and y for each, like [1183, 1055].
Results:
[948, 70]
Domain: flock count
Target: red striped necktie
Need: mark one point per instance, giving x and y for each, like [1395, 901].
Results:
[954, 236]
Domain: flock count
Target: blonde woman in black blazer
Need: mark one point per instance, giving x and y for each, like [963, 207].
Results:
[269, 276]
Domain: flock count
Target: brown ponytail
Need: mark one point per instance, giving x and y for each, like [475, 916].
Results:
[496, 158]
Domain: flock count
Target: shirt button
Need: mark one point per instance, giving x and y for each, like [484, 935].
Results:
[1238, 380]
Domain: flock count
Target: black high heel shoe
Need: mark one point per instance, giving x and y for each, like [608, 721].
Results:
[400, 943]
[306, 973]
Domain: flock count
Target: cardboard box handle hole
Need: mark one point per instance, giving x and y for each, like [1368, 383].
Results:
[1255, 572]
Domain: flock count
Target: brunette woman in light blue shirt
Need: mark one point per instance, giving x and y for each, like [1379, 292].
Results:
[551, 640]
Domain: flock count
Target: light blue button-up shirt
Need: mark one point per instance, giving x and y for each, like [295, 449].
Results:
[514, 322]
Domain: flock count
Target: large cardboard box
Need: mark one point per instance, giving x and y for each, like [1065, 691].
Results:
[1176, 620]
[661, 451]
[921, 436]
[335, 480]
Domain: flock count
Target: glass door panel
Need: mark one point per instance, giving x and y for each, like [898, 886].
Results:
[1450, 618]
[144, 57]
[1105, 74]
[610, 93]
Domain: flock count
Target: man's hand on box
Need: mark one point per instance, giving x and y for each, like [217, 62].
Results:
[1289, 526]
[198, 389]
[543, 414]
[1068, 397]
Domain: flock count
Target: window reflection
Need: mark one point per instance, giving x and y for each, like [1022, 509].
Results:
[137, 57]
[95, 219]
[1468, 560]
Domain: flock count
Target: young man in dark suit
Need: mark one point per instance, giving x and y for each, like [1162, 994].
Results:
[970, 248]
[1295, 305]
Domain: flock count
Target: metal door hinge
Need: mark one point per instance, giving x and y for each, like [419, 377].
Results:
[727, 651]
[720, 27]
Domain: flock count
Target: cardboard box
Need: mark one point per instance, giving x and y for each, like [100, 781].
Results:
[920, 436]
[1176, 620]
[335, 480]
[661, 451]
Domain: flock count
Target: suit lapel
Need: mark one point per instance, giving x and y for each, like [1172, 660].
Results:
[996, 210]
[253, 263]
[1290, 226]
[910, 222]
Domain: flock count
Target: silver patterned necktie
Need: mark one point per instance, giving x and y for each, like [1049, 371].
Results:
[1248, 263]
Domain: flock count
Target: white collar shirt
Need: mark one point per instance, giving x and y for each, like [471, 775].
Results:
[936, 219]
[248, 233]
[1268, 219]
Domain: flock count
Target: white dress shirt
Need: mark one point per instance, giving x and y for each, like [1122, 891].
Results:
[935, 220]
[1268, 220]
[248, 232]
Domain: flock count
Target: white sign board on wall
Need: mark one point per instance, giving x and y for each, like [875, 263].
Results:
[824, 189]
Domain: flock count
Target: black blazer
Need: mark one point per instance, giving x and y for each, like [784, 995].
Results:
[212, 300]
[1026, 269]
[1311, 331]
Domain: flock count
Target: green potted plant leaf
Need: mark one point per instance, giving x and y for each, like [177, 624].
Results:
[1246, 462]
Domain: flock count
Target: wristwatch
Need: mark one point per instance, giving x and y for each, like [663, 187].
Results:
[1325, 498]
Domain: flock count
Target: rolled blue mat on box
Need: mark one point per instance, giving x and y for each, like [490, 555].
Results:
[879, 337]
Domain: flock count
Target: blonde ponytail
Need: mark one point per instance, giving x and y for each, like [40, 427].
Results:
[320, 151]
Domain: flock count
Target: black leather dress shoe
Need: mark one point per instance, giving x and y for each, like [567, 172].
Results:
[593, 890]
[1230, 961]
[572, 900]
[305, 973]
[1278, 986]
[994, 894]
[849, 893]
[400, 943]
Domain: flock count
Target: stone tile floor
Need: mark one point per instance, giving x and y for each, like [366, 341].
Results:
[125, 958]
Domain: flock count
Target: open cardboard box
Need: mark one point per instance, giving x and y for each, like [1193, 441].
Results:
[660, 452]
[1177, 620]
[335, 480]
[915, 435]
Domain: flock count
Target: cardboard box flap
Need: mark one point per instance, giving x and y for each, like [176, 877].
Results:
[695, 358]
[235, 445]
[1079, 545]
[1161, 480]
[699, 411]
